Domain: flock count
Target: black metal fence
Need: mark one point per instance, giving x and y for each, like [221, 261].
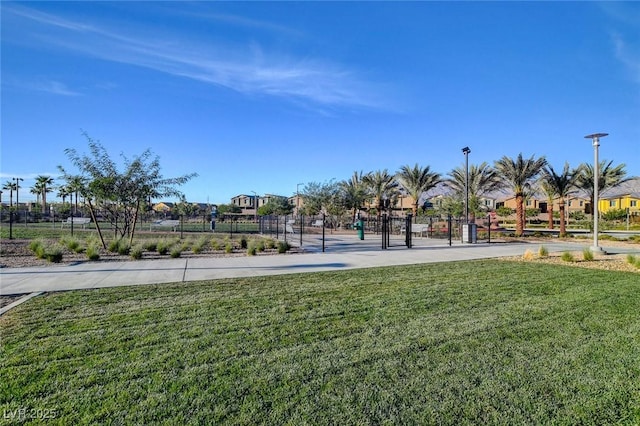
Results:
[388, 230]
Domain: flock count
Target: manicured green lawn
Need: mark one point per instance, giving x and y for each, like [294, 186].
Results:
[483, 342]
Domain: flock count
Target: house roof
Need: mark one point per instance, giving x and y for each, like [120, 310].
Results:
[629, 188]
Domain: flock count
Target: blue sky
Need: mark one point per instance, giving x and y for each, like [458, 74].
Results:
[265, 96]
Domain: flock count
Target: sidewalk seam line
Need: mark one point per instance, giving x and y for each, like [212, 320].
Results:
[184, 272]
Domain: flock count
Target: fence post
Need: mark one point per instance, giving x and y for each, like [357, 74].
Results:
[407, 230]
[449, 226]
[323, 217]
[11, 223]
[385, 226]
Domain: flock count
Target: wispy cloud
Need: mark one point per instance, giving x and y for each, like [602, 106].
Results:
[55, 88]
[624, 17]
[246, 69]
[245, 22]
[51, 87]
[625, 54]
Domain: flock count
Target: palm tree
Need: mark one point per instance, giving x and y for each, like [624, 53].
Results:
[10, 186]
[550, 192]
[483, 179]
[561, 186]
[75, 185]
[518, 174]
[354, 192]
[415, 181]
[382, 186]
[63, 192]
[609, 177]
[36, 190]
[44, 183]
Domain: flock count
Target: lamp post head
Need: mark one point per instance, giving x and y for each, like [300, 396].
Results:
[596, 138]
[466, 150]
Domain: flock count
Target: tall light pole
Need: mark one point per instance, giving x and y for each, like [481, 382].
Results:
[17, 189]
[466, 152]
[298, 197]
[596, 177]
[298, 210]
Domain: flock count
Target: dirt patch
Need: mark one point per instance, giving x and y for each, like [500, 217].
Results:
[7, 300]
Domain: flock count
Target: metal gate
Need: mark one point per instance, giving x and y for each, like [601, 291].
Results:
[396, 231]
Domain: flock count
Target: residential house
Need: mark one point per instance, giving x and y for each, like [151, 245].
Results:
[248, 203]
[163, 207]
[625, 196]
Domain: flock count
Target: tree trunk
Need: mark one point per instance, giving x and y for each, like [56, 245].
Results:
[550, 211]
[563, 227]
[519, 215]
[135, 220]
[93, 216]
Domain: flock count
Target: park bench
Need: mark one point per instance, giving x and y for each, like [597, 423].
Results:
[418, 228]
[172, 223]
[77, 221]
[288, 227]
[317, 223]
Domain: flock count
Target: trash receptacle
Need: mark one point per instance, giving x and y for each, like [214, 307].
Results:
[469, 233]
[360, 228]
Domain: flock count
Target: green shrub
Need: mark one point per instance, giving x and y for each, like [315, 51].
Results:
[587, 254]
[136, 252]
[283, 247]
[228, 248]
[176, 252]
[53, 253]
[114, 246]
[37, 247]
[543, 251]
[270, 243]
[631, 259]
[163, 247]
[215, 244]
[72, 244]
[92, 252]
[124, 249]
[150, 245]
[258, 244]
[567, 257]
[199, 246]
[252, 249]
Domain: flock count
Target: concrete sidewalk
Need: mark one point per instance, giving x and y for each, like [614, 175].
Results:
[342, 256]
